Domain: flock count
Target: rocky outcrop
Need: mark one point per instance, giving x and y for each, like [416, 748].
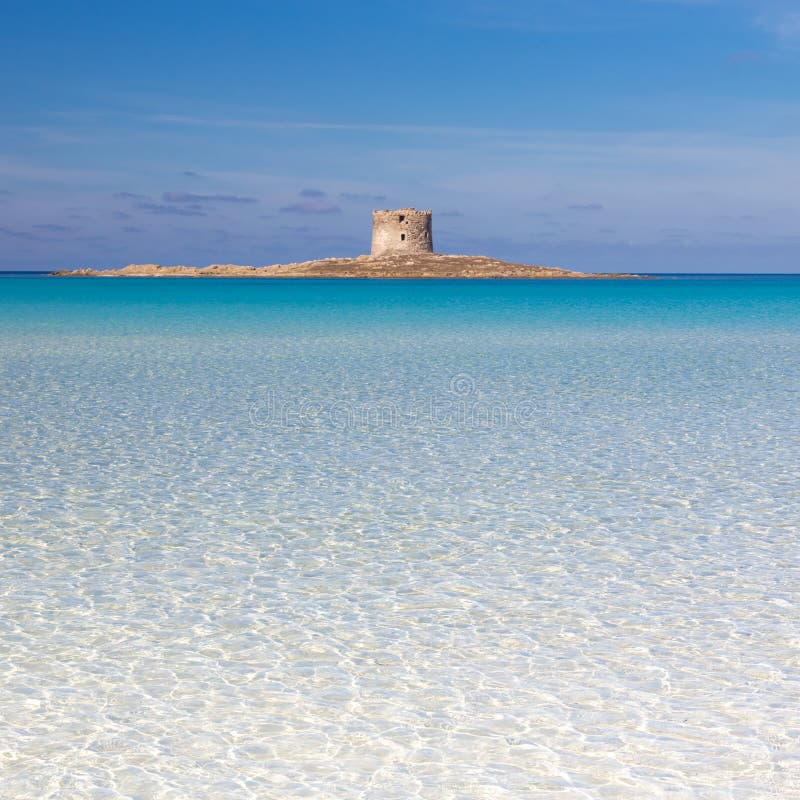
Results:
[419, 265]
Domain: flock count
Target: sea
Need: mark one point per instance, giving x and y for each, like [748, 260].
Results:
[400, 539]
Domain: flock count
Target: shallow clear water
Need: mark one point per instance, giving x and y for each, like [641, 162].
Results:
[336, 539]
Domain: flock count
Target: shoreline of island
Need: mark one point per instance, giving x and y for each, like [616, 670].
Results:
[406, 266]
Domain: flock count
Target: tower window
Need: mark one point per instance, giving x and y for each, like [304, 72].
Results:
[402, 237]
[402, 217]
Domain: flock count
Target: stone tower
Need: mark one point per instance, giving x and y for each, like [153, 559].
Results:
[403, 231]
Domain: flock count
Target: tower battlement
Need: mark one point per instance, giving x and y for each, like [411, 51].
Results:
[404, 230]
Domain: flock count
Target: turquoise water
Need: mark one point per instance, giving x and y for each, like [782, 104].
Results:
[343, 539]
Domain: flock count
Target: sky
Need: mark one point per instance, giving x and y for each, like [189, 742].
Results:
[607, 135]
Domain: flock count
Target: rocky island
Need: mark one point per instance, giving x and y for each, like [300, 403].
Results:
[394, 266]
[402, 247]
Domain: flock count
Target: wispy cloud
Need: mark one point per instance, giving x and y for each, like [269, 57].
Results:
[358, 197]
[585, 207]
[450, 213]
[30, 236]
[187, 197]
[784, 24]
[180, 211]
[312, 193]
[746, 57]
[781, 18]
[53, 228]
[130, 196]
[277, 125]
[310, 207]
[24, 235]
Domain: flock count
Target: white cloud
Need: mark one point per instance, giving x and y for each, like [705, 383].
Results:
[784, 25]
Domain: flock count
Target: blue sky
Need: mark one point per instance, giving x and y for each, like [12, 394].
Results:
[657, 135]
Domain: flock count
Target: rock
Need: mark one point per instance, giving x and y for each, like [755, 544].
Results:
[422, 265]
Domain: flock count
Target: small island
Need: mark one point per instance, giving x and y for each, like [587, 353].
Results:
[402, 248]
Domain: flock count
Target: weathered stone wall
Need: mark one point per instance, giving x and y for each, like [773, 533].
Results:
[405, 230]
